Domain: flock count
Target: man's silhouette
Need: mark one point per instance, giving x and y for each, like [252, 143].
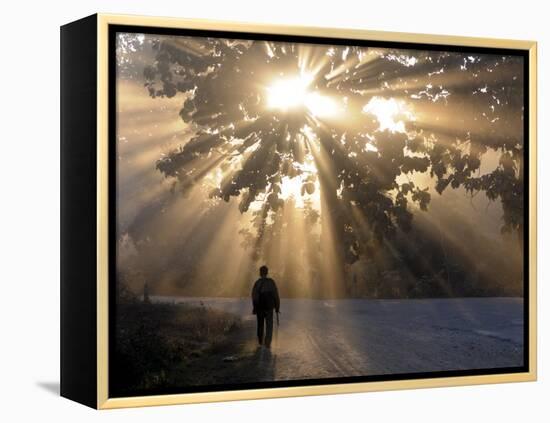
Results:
[265, 299]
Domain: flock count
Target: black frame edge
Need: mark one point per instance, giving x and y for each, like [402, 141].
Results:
[78, 328]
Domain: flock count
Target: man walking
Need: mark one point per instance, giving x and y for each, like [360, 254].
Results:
[265, 299]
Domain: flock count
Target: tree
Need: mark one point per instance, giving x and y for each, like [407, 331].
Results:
[466, 104]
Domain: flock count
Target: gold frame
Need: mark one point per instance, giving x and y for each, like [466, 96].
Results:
[103, 400]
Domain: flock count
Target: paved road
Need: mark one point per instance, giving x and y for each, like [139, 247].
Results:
[335, 338]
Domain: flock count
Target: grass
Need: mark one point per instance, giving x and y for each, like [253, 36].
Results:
[153, 341]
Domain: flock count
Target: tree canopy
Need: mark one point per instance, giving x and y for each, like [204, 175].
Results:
[368, 122]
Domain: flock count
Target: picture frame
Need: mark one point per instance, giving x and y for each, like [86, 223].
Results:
[91, 210]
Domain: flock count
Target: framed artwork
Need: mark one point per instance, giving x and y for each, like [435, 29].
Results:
[254, 211]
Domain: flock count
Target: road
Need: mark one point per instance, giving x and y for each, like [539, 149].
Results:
[357, 337]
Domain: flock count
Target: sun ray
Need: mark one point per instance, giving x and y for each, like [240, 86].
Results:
[292, 134]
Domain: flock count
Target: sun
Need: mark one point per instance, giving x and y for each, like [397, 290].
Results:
[294, 93]
[290, 93]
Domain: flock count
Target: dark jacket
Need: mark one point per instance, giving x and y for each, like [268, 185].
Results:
[265, 296]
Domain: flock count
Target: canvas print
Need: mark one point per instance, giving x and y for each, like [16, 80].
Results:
[293, 212]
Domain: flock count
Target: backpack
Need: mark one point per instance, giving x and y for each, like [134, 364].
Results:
[265, 296]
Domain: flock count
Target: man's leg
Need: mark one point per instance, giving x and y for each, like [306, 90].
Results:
[269, 327]
[260, 319]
